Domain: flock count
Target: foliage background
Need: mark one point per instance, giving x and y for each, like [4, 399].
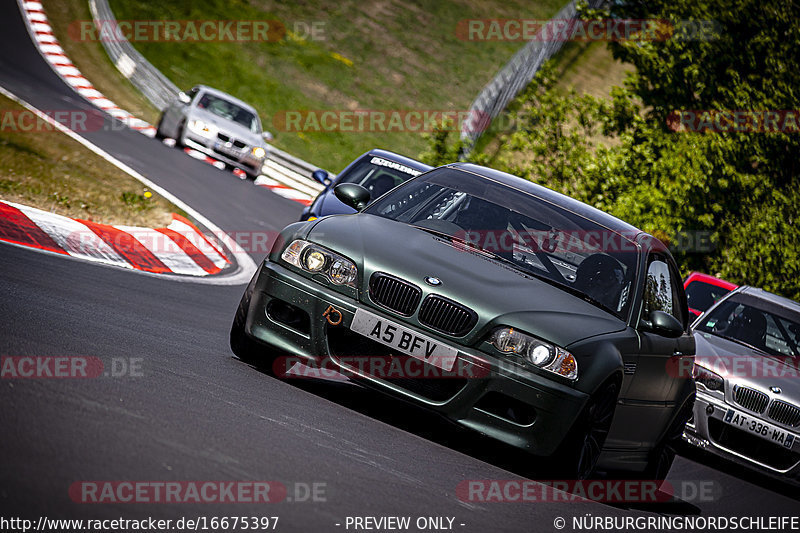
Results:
[741, 189]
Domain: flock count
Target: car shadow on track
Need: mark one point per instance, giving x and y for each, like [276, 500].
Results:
[430, 426]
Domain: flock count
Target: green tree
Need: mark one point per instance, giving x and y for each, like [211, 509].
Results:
[740, 188]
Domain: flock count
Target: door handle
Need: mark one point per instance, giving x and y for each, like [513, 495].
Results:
[677, 353]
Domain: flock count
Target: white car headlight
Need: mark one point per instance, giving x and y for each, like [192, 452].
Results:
[258, 152]
[534, 351]
[708, 380]
[202, 128]
[315, 259]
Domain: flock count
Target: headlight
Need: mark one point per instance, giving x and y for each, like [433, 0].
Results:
[536, 352]
[258, 152]
[201, 128]
[710, 381]
[315, 259]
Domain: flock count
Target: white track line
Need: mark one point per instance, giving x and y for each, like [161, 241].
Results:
[245, 265]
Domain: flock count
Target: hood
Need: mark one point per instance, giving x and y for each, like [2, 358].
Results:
[741, 365]
[230, 127]
[499, 294]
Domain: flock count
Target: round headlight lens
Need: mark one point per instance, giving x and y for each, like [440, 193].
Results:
[534, 351]
[342, 272]
[259, 152]
[314, 260]
[539, 354]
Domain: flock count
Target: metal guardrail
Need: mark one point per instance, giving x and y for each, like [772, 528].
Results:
[286, 159]
[157, 88]
[513, 78]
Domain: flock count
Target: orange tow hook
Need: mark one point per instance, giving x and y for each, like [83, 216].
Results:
[332, 312]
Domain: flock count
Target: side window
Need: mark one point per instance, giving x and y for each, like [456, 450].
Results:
[659, 294]
[679, 308]
[191, 94]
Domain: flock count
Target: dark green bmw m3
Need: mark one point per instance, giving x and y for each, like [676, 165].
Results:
[506, 307]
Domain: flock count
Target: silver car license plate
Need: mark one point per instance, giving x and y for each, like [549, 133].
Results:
[404, 340]
[226, 149]
[756, 426]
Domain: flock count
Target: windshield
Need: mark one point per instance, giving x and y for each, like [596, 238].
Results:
[521, 230]
[758, 323]
[701, 295]
[229, 111]
[378, 175]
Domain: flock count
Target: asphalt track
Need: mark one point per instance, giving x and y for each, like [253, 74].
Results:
[194, 412]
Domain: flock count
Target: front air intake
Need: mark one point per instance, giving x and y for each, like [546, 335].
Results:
[394, 293]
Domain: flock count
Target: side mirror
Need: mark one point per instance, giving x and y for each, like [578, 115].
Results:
[663, 324]
[184, 98]
[321, 176]
[353, 195]
[267, 136]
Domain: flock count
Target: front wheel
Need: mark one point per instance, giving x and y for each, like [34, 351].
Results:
[160, 135]
[250, 173]
[243, 346]
[179, 138]
[662, 456]
[584, 443]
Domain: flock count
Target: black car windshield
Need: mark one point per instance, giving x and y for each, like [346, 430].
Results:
[756, 322]
[229, 111]
[522, 230]
[702, 295]
[377, 174]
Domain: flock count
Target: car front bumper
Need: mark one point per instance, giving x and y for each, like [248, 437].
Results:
[246, 161]
[708, 431]
[503, 401]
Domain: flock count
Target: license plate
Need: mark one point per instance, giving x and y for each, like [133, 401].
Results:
[230, 150]
[758, 427]
[404, 340]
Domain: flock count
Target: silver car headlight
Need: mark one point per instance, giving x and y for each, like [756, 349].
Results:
[203, 128]
[534, 351]
[707, 380]
[258, 152]
[318, 260]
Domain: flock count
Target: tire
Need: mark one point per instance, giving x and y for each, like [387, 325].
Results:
[243, 346]
[662, 456]
[159, 132]
[179, 138]
[584, 443]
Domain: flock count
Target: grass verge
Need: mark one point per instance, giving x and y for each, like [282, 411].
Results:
[588, 67]
[369, 55]
[48, 170]
[92, 60]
